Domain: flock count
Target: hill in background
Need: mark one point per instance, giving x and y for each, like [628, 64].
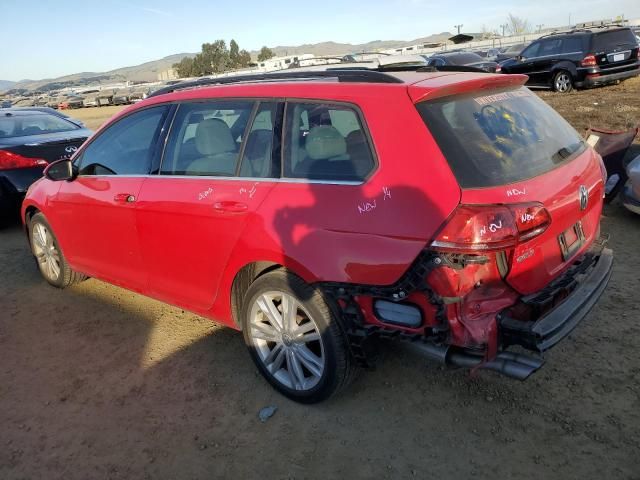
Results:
[148, 71]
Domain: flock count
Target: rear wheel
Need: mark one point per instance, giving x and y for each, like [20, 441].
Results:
[51, 262]
[294, 338]
[563, 82]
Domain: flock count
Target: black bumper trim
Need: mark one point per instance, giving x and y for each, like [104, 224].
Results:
[547, 331]
[605, 78]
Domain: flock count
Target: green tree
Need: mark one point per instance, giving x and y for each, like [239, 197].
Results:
[265, 54]
[214, 58]
[184, 67]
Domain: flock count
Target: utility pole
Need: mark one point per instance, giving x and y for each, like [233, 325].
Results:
[458, 27]
[504, 27]
[540, 27]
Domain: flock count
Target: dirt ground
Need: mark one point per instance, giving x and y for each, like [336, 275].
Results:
[100, 383]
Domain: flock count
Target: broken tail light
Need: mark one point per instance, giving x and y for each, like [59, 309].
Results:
[9, 160]
[486, 228]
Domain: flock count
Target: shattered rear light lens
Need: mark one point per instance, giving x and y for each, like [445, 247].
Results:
[9, 160]
[488, 228]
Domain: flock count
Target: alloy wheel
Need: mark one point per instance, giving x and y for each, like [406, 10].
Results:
[46, 252]
[287, 340]
[563, 83]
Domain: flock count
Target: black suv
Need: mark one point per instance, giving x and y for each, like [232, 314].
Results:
[578, 58]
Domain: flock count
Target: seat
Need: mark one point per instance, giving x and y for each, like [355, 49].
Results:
[326, 156]
[359, 152]
[214, 142]
[257, 155]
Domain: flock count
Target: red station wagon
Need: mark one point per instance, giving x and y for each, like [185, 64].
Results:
[319, 212]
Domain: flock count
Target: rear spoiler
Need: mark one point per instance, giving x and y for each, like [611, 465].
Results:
[452, 84]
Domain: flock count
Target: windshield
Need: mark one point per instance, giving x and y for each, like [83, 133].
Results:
[33, 124]
[499, 137]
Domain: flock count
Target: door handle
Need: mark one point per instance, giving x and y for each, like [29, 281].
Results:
[124, 198]
[230, 206]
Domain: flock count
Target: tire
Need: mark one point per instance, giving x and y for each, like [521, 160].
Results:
[307, 360]
[48, 255]
[562, 82]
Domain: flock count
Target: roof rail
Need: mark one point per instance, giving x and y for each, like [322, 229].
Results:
[346, 75]
[584, 28]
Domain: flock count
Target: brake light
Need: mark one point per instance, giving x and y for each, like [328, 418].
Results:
[484, 228]
[498, 68]
[589, 61]
[9, 160]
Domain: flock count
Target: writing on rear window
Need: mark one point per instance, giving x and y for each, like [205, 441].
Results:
[500, 97]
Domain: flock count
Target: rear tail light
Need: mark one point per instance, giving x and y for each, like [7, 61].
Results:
[589, 61]
[9, 160]
[498, 68]
[485, 228]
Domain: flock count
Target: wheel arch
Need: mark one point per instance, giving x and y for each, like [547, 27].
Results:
[566, 66]
[243, 280]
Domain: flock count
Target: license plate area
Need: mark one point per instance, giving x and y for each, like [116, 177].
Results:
[571, 240]
[618, 57]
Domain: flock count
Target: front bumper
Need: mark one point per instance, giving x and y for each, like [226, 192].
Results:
[584, 281]
[603, 78]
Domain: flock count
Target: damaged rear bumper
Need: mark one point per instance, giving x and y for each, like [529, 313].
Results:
[588, 278]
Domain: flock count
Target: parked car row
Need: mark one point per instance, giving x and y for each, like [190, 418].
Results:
[562, 61]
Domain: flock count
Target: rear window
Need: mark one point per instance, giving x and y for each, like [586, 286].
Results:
[500, 137]
[614, 38]
[33, 124]
[465, 59]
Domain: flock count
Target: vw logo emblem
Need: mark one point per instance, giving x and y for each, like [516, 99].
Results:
[70, 149]
[583, 195]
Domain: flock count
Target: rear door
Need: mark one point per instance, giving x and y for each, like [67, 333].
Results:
[94, 215]
[615, 49]
[216, 170]
[509, 147]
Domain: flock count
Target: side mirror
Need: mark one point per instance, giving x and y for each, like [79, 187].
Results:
[60, 170]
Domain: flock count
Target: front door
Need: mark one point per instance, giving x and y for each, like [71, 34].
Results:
[215, 173]
[97, 209]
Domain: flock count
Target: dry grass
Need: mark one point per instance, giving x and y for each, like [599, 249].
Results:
[94, 117]
[615, 107]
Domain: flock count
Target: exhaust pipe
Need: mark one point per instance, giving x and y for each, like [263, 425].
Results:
[510, 364]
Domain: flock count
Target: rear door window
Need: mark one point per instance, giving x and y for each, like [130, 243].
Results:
[325, 142]
[550, 47]
[571, 45]
[498, 138]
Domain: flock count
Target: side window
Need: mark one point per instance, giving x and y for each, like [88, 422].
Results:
[325, 142]
[531, 51]
[550, 47]
[206, 138]
[126, 147]
[571, 45]
[257, 160]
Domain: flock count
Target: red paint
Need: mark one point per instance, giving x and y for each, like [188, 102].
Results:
[183, 240]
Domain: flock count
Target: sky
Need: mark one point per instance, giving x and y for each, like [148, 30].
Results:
[44, 39]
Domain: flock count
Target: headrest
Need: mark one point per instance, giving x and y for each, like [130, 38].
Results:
[324, 142]
[213, 137]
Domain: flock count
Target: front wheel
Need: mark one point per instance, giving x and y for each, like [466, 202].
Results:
[563, 82]
[294, 338]
[46, 250]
